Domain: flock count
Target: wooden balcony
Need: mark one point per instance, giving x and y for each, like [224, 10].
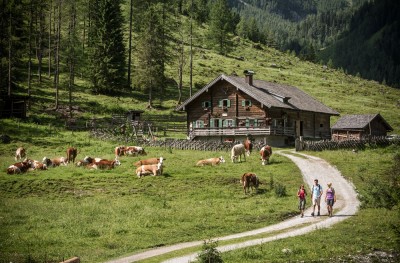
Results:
[243, 131]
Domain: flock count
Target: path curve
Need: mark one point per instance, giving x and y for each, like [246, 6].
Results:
[311, 167]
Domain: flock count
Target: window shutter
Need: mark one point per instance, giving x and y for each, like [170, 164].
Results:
[201, 124]
[233, 123]
[249, 102]
[247, 122]
[203, 104]
[211, 123]
[243, 103]
[220, 103]
[228, 103]
[220, 122]
[255, 123]
[194, 124]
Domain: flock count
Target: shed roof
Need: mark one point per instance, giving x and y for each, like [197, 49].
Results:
[359, 121]
[269, 94]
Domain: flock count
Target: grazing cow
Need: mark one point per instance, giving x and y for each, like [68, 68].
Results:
[211, 161]
[249, 180]
[149, 161]
[20, 153]
[104, 164]
[237, 151]
[154, 169]
[265, 153]
[119, 150]
[54, 162]
[135, 150]
[71, 154]
[248, 146]
[20, 167]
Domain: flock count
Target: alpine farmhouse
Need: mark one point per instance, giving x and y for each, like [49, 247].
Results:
[231, 108]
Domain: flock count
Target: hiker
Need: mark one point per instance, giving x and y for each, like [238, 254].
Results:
[302, 199]
[316, 194]
[330, 199]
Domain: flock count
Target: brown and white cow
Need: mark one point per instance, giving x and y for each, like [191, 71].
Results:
[134, 150]
[20, 153]
[36, 165]
[249, 180]
[55, 161]
[20, 167]
[265, 153]
[237, 151]
[104, 164]
[72, 152]
[248, 146]
[211, 161]
[119, 150]
[149, 161]
[153, 169]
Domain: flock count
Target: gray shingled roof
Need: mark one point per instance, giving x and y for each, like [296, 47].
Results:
[271, 95]
[358, 121]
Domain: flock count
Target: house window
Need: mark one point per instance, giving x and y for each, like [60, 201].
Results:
[321, 125]
[199, 124]
[226, 103]
[251, 122]
[228, 123]
[246, 103]
[206, 104]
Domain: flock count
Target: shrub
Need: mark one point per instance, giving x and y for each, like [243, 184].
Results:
[280, 190]
[210, 254]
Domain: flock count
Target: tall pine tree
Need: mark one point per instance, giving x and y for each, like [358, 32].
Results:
[220, 25]
[107, 50]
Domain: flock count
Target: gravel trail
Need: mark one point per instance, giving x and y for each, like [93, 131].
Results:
[311, 167]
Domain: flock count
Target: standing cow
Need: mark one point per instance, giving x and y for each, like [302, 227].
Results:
[249, 180]
[248, 146]
[237, 151]
[72, 152]
[20, 154]
[265, 153]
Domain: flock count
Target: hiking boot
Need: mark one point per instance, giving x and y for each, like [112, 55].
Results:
[318, 214]
[312, 214]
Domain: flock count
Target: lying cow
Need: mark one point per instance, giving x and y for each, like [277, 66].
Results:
[54, 162]
[71, 154]
[149, 161]
[20, 167]
[36, 165]
[237, 151]
[153, 169]
[134, 150]
[249, 180]
[20, 154]
[211, 161]
[103, 164]
[265, 153]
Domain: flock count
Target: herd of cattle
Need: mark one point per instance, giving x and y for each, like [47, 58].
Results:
[151, 166]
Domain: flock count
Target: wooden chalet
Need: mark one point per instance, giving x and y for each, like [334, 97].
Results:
[359, 126]
[13, 106]
[230, 108]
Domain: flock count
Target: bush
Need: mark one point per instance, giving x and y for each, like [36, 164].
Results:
[280, 190]
[210, 254]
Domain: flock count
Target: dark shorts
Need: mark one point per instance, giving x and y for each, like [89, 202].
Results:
[302, 204]
[330, 202]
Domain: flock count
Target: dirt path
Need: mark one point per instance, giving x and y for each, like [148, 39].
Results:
[311, 167]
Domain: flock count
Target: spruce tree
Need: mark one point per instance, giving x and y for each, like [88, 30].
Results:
[220, 24]
[106, 44]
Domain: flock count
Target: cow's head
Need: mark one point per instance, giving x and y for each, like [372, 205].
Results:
[117, 162]
[221, 159]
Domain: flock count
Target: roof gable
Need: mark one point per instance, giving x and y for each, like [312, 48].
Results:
[269, 94]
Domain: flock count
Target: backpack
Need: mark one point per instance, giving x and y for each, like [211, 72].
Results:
[319, 186]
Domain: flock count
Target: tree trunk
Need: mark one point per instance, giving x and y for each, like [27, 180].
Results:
[49, 48]
[30, 49]
[130, 44]
[57, 72]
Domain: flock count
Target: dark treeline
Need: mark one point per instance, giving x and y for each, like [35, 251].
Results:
[330, 32]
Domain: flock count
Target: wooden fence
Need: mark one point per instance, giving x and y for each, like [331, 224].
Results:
[361, 144]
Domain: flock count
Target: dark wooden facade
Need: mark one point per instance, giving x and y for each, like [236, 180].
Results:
[13, 106]
[225, 110]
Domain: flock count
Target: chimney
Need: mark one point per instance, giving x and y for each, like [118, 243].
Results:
[249, 76]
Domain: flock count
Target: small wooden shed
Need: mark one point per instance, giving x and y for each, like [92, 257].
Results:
[358, 126]
[13, 106]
